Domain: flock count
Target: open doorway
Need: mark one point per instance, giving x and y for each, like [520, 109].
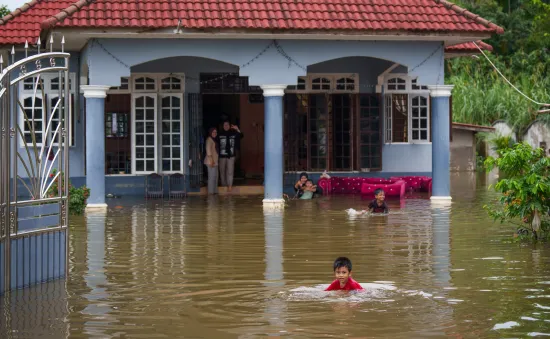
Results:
[217, 108]
[229, 97]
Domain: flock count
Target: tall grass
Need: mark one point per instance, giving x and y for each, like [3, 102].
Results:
[481, 96]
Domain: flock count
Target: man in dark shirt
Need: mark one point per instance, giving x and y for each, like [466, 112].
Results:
[229, 141]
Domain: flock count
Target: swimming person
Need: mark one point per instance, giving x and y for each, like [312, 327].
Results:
[342, 272]
[308, 190]
[378, 205]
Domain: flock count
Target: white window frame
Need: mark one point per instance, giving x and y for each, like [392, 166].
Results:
[49, 95]
[135, 77]
[413, 95]
[160, 152]
[332, 79]
[421, 91]
[155, 133]
[170, 77]
[23, 123]
[157, 94]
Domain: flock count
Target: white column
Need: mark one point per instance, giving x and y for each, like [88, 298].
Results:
[273, 144]
[441, 145]
[95, 144]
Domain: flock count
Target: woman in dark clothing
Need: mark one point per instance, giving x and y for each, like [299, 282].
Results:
[301, 183]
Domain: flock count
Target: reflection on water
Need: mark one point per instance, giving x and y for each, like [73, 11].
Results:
[225, 267]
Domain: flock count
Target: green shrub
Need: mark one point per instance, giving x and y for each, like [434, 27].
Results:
[525, 189]
[77, 196]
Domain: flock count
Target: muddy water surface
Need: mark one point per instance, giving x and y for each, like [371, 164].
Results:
[224, 267]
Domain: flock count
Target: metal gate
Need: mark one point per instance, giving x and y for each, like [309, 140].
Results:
[34, 158]
[196, 140]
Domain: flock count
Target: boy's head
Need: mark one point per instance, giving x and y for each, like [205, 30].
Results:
[309, 183]
[342, 270]
[379, 194]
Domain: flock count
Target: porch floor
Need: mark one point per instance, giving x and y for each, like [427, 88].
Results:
[237, 190]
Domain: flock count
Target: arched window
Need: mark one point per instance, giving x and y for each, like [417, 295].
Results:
[345, 84]
[320, 84]
[170, 84]
[406, 111]
[396, 84]
[144, 84]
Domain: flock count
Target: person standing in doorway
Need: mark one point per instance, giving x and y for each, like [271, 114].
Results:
[229, 143]
[211, 160]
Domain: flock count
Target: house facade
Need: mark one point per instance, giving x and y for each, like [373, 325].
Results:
[354, 87]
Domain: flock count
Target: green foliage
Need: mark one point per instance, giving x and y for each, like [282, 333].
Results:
[481, 96]
[500, 142]
[77, 196]
[4, 11]
[522, 54]
[525, 189]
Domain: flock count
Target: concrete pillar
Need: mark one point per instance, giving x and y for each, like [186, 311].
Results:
[274, 165]
[441, 242]
[95, 144]
[441, 152]
[95, 277]
[275, 309]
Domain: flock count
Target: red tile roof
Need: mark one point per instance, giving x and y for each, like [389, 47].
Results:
[360, 16]
[468, 47]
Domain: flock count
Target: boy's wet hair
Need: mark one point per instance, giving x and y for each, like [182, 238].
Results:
[309, 180]
[342, 262]
[378, 191]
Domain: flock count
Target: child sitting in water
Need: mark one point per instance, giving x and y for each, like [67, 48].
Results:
[308, 190]
[342, 272]
[378, 205]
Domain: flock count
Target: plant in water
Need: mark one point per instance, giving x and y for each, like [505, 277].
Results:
[525, 189]
[77, 196]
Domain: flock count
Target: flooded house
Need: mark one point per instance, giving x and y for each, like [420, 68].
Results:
[351, 88]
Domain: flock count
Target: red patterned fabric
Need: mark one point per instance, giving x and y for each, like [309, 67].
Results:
[395, 189]
[358, 185]
[416, 183]
[394, 186]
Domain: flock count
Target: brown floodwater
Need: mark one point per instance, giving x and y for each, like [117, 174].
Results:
[223, 267]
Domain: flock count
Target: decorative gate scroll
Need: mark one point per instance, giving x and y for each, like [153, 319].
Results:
[34, 162]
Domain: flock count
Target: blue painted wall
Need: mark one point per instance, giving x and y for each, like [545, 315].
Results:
[407, 157]
[270, 68]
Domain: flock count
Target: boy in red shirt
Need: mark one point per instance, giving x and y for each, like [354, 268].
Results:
[342, 272]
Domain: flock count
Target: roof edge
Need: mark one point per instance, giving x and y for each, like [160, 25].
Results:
[64, 13]
[456, 48]
[472, 127]
[470, 15]
[18, 11]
